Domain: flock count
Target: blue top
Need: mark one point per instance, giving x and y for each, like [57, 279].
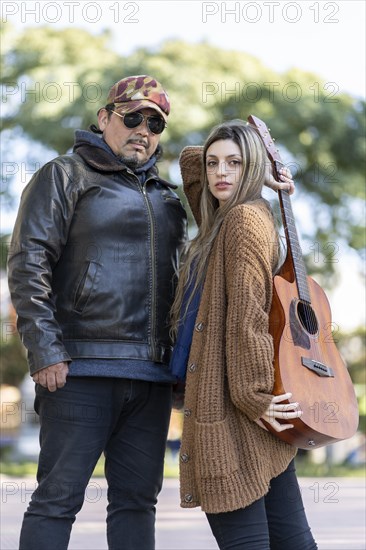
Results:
[179, 358]
[122, 368]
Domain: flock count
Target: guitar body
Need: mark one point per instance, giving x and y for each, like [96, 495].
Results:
[308, 364]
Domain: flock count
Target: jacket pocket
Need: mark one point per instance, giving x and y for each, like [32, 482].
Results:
[85, 286]
[216, 449]
[171, 197]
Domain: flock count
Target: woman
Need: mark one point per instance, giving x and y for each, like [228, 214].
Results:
[237, 471]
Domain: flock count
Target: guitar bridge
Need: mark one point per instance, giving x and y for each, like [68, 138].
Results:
[316, 366]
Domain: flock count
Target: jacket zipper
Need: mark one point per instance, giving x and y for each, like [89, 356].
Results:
[153, 271]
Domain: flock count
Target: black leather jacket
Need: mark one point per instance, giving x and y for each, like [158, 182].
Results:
[93, 260]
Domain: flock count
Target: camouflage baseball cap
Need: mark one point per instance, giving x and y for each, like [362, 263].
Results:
[137, 92]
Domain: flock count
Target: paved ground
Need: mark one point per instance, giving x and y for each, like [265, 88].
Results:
[335, 509]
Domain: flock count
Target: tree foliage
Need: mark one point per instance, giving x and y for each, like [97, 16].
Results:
[13, 360]
[54, 81]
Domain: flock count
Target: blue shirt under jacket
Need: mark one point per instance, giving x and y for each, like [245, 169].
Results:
[180, 355]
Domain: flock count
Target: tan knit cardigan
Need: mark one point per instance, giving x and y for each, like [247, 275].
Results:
[226, 459]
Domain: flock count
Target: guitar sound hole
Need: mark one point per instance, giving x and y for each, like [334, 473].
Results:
[307, 317]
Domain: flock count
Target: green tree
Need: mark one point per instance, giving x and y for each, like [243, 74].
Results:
[53, 82]
[50, 91]
[13, 359]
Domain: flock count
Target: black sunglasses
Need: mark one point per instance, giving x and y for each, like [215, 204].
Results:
[156, 124]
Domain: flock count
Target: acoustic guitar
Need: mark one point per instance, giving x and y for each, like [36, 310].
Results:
[307, 362]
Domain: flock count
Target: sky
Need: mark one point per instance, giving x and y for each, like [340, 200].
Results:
[324, 37]
[327, 38]
[321, 37]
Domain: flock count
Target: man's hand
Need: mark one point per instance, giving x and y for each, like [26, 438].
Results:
[286, 182]
[52, 377]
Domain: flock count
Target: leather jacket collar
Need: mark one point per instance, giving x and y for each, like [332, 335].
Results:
[98, 157]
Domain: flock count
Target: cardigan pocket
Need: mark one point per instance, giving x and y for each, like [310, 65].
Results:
[215, 449]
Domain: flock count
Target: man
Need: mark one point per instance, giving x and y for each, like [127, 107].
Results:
[91, 273]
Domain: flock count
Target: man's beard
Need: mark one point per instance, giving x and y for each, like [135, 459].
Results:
[132, 162]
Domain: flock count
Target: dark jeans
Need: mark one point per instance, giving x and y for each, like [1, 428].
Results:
[128, 420]
[274, 522]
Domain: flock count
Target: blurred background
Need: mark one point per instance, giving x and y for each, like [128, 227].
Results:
[299, 66]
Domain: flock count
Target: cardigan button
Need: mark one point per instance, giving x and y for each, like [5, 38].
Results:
[199, 327]
[184, 457]
[188, 498]
[187, 412]
[192, 367]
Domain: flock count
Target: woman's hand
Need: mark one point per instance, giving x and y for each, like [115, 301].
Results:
[286, 182]
[276, 410]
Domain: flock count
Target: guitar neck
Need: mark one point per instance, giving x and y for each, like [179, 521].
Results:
[294, 252]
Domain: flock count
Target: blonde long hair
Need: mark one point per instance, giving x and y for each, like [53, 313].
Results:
[195, 259]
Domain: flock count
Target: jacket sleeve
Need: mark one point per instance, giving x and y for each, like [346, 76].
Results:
[249, 249]
[39, 234]
[190, 162]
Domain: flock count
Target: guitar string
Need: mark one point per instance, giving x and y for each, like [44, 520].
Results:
[303, 290]
[309, 315]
